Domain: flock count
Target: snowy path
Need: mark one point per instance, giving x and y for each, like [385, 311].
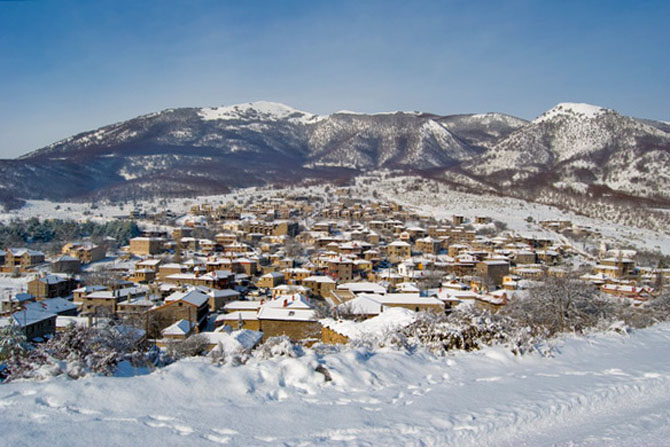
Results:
[601, 391]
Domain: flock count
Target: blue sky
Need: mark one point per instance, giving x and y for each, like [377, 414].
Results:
[70, 66]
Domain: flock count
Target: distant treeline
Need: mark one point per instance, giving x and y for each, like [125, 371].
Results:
[36, 231]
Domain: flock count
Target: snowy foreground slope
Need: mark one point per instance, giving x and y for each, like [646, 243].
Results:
[604, 390]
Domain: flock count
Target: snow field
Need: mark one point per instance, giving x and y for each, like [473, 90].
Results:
[601, 390]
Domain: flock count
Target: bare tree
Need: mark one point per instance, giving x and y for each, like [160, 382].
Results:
[560, 305]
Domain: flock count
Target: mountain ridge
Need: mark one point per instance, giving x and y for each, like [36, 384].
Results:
[203, 150]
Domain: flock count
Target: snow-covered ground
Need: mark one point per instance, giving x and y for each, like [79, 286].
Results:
[10, 286]
[430, 198]
[602, 390]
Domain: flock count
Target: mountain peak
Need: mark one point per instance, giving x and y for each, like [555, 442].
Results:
[575, 109]
[257, 110]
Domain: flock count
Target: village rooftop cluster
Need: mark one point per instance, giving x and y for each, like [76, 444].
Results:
[294, 266]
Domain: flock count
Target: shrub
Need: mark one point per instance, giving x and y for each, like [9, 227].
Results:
[192, 346]
[77, 351]
[468, 329]
[278, 347]
[562, 304]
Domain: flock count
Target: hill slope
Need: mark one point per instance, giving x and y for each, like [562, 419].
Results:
[209, 150]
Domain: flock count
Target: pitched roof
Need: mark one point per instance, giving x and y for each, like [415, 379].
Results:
[194, 297]
[181, 327]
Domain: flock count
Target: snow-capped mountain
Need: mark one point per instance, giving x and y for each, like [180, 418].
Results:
[577, 146]
[206, 150]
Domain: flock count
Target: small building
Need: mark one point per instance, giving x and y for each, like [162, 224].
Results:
[179, 330]
[270, 280]
[428, 245]
[58, 306]
[397, 251]
[493, 270]
[66, 264]
[12, 303]
[50, 286]
[291, 316]
[320, 286]
[218, 279]
[239, 319]
[218, 298]
[341, 269]
[86, 252]
[35, 324]
[145, 246]
[104, 302]
[81, 292]
[191, 305]
[22, 258]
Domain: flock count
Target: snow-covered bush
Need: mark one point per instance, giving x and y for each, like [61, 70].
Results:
[218, 356]
[558, 305]
[77, 351]
[278, 347]
[190, 347]
[655, 310]
[12, 341]
[467, 329]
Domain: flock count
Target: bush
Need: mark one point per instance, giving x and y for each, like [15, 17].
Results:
[78, 351]
[656, 310]
[468, 329]
[278, 347]
[558, 305]
[192, 346]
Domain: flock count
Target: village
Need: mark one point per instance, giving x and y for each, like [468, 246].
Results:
[293, 266]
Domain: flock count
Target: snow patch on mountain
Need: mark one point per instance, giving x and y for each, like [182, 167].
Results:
[259, 110]
[571, 109]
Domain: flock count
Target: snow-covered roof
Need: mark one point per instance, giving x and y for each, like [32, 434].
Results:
[236, 341]
[31, 316]
[23, 251]
[52, 279]
[291, 308]
[20, 297]
[195, 297]
[181, 327]
[362, 287]
[391, 319]
[52, 305]
[321, 279]
[362, 305]
[238, 315]
[405, 298]
[118, 293]
[89, 289]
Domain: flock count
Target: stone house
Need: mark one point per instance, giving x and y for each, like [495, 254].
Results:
[86, 252]
[270, 280]
[50, 286]
[492, 270]
[22, 258]
[291, 316]
[397, 251]
[66, 264]
[319, 285]
[191, 305]
[145, 246]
